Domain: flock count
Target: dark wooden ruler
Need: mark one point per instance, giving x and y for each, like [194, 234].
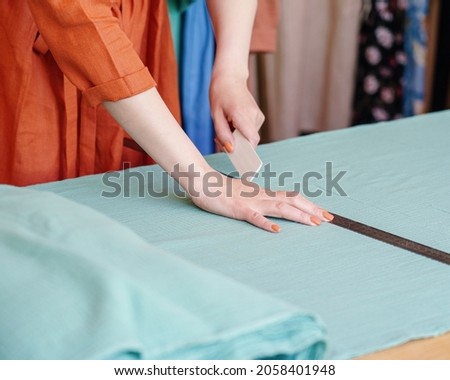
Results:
[395, 240]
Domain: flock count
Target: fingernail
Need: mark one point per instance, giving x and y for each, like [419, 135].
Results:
[228, 147]
[276, 228]
[216, 140]
[328, 216]
[315, 220]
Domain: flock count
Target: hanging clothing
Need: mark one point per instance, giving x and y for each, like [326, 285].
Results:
[307, 85]
[196, 64]
[264, 40]
[176, 10]
[416, 43]
[265, 27]
[381, 62]
[60, 60]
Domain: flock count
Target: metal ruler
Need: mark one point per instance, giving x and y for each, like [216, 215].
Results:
[391, 239]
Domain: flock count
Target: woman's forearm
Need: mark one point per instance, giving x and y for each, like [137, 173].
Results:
[149, 122]
[233, 23]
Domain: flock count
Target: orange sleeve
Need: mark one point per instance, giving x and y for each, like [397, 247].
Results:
[91, 49]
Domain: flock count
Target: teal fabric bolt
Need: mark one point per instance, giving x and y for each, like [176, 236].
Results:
[75, 284]
[370, 295]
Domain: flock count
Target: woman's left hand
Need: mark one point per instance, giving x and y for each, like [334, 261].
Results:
[244, 200]
[233, 106]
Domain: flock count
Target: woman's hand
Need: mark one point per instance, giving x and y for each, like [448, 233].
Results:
[243, 200]
[233, 106]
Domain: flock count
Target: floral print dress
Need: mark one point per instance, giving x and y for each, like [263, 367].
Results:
[381, 62]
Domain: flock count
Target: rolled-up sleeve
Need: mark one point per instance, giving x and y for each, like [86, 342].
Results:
[91, 49]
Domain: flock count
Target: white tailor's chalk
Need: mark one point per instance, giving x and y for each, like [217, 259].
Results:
[244, 158]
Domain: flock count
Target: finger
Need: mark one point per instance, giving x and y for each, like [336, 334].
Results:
[248, 127]
[260, 118]
[223, 131]
[219, 146]
[282, 209]
[259, 220]
[305, 205]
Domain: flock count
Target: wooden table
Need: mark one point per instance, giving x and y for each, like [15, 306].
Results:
[437, 348]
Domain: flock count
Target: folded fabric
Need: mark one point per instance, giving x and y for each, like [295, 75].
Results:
[74, 284]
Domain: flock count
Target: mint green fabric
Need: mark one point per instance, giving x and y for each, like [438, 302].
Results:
[75, 284]
[370, 295]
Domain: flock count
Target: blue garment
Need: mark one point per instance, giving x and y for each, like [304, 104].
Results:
[197, 58]
[416, 41]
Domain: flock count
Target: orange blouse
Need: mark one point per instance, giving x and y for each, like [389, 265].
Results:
[59, 60]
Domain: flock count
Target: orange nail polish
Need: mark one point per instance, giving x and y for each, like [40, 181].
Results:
[315, 220]
[328, 216]
[276, 228]
[228, 147]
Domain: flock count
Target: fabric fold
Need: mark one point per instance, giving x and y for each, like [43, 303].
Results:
[77, 285]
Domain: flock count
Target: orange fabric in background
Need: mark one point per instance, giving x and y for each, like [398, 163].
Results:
[50, 130]
[264, 37]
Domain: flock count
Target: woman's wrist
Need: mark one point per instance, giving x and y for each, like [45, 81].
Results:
[230, 70]
[196, 178]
